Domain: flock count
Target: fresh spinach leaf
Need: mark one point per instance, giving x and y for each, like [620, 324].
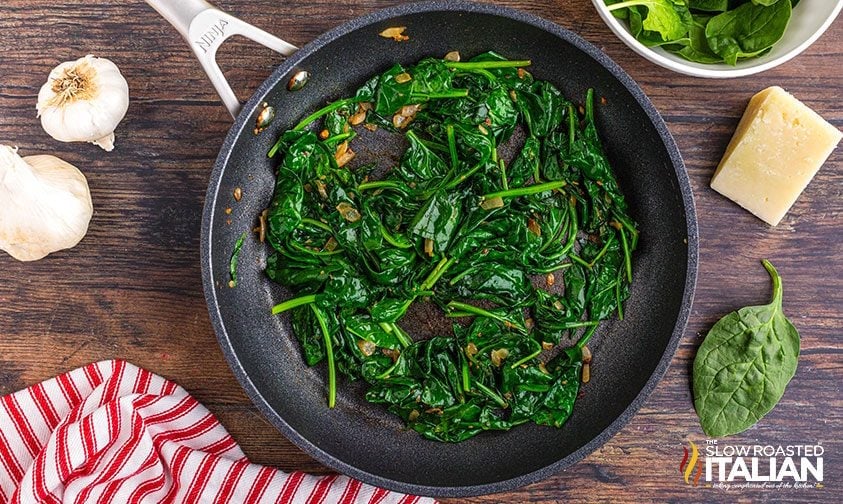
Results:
[665, 17]
[697, 49]
[710, 5]
[739, 29]
[744, 365]
[748, 30]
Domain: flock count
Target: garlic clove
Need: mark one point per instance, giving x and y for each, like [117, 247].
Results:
[46, 205]
[84, 101]
[106, 142]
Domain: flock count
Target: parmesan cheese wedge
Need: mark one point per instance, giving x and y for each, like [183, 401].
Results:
[779, 146]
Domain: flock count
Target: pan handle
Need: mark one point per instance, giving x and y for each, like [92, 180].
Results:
[205, 28]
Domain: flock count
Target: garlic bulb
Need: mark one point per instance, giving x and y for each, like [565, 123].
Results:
[46, 205]
[84, 101]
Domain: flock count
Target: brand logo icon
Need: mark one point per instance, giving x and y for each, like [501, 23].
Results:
[687, 467]
[207, 39]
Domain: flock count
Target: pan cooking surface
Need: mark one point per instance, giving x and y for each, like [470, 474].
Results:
[364, 440]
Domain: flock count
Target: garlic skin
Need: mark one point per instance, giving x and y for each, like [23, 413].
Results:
[46, 205]
[84, 101]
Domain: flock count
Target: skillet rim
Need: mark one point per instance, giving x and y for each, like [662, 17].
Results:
[241, 126]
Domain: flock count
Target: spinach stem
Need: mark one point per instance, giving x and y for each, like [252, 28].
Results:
[556, 236]
[474, 310]
[602, 251]
[436, 274]
[340, 137]
[618, 299]
[425, 287]
[474, 65]
[293, 303]
[572, 230]
[529, 387]
[312, 117]
[577, 259]
[454, 93]
[462, 178]
[492, 395]
[585, 323]
[622, 5]
[504, 181]
[462, 274]
[389, 370]
[402, 336]
[530, 357]
[526, 190]
[327, 109]
[329, 350]
[395, 242]
[572, 126]
[554, 268]
[466, 379]
[626, 256]
[459, 180]
[380, 184]
[433, 145]
[589, 105]
[316, 223]
[586, 337]
[777, 281]
[624, 221]
[452, 146]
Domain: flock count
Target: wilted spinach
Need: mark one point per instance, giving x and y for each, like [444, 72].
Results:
[454, 224]
[235, 256]
[707, 31]
[744, 364]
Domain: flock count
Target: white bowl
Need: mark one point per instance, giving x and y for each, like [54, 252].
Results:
[810, 20]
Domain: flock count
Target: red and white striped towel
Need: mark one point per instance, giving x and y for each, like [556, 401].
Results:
[112, 433]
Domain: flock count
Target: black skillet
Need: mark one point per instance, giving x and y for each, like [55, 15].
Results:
[361, 439]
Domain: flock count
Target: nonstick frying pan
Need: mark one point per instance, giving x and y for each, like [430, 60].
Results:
[361, 439]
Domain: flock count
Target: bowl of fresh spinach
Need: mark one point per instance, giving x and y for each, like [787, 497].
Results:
[718, 38]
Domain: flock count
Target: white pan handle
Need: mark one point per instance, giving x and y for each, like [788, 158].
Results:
[205, 28]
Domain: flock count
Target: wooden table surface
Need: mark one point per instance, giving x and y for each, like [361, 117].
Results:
[132, 288]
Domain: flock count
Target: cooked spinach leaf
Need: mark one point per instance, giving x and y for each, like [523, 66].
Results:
[455, 224]
[235, 257]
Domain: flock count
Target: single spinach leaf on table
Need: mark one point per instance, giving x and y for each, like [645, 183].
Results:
[744, 364]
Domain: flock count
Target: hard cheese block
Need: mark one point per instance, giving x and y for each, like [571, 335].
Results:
[777, 149]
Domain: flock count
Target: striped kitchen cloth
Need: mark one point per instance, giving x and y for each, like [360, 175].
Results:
[112, 433]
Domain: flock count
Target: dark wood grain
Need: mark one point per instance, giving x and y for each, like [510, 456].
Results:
[132, 288]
